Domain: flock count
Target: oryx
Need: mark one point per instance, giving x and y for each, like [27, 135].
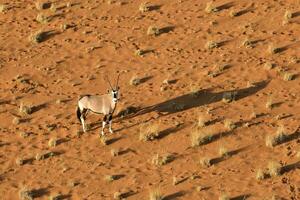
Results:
[100, 104]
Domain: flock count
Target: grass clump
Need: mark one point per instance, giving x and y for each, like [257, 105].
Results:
[103, 140]
[205, 162]
[149, 132]
[211, 8]
[248, 43]
[20, 161]
[269, 65]
[135, 81]
[38, 36]
[223, 151]
[288, 15]
[53, 142]
[273, 50]
[202, 121]
[269, 103]
[287, 76]
[278, 138]
[144, 7]
[153, 31]
[260, 174]
[224, 197]
[229, 124]
[55, 197]
[229, 96]
[155, 195]
[3, 8]
[114, 152]
[200, 137]
[274, 168]
[43, 156]
[25, 109]
[162, 160]
[110, 178]
[41, 18]
[212, 45]
[25, 194]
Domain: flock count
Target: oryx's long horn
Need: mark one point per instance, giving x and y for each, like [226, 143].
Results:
[108, 82]
[117, 84]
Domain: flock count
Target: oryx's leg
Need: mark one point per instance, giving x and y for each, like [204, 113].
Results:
[82, 118]
[103, 124]
[110, 123]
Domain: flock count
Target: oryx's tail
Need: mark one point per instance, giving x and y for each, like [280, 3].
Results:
[78, 112]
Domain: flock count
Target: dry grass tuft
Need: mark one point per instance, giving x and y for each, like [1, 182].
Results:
[162, 160]
[110, 178]
[53, 142]
[153, 31]
[273, 50]
[229, 96]
[223, 151]
[278, 138]
[38, 36]
[155, 195]
[200, 137]
[274, 168]
[269, 104]
[43, 156]
[135, 81]
[20, 161]
[114, 152]
[287, 76]
[224, 197]
[212, 45]
[25, 194]
[16, 120]
[55, 197]
[248, 43]
[25, 109]
[260, 174]
[149, 132]
[3, 8]
[41, 18]
[269, 66]
[103, 139]
[229, 124]
[144, 7]
[233, 13]
[288, 15]
[202, 121]
[211, 8]
[205, 162]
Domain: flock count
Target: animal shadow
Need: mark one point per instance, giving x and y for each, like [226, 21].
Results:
[204, 97]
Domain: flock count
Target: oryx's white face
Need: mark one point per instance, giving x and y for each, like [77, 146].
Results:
[115, 94]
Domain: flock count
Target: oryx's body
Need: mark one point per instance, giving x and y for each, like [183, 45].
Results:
[100, 104]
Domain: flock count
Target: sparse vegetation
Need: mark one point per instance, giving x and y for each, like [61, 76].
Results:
[288, 76]
[3, 8]
[202, 121]
[229, 96]
[135, 81]
[41, 18]
[288, 15]
[223, 151]
[38, 36]
[269, 104]
[52, 142]
[153, 31]
[247, 43]
[212, 45]
[149, 132]
[144, 7]
[233, 13]
[211, 8]
[229, 124]
[103, 139]
[155, 195]
[25, 109]
[110, 178]
[43, 155]
[200, 137]
[20, 161]
[162, 160]
[260, 174]
[274, 168]
[25, 194]
[273, 50]
[205, 162]
[114, 152]
[224, 197]
[279, 137]
[55, 197]
[269, 66]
